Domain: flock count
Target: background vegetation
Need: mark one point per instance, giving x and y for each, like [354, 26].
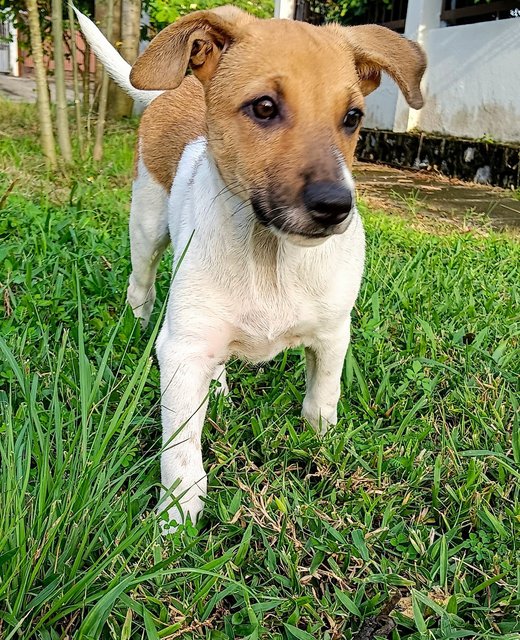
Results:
[414, 494]
[163, 12]
[358, 11]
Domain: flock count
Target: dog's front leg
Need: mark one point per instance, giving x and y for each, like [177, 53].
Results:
[324, 360]
[185, 380]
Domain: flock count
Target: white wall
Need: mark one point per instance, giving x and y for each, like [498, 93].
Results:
[284, 9]
[472, 86]
[13, 51]
[380, 105]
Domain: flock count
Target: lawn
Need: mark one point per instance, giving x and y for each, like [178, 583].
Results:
[415, 494]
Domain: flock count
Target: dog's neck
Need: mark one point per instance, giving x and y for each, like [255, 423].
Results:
[210, 210]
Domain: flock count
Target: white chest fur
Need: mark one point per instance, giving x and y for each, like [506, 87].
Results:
[238, 289]
[239, 286]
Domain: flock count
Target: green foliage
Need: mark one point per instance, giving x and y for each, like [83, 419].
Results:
[340, 10]
[416, 491]
[16, 11]
[164, 12]
[344, 11]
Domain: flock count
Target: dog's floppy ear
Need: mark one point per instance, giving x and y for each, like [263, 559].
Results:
[377, 49]
[196, 40]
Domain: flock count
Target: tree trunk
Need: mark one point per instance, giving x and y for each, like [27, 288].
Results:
[130, 29]
[75, 77]
[130, 37]
[62, 118]
[100, 18]
[86, 78]
[117, 98]
[125, 38]
[42, 88]
[102, 112]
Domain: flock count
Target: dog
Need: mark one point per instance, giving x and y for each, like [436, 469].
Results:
[244, 164]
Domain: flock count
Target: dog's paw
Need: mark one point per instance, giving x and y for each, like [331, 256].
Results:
[141, 300]
[321, 418]
[221, 386]
[170, 519]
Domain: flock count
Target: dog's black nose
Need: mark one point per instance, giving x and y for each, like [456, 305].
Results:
[328, 203]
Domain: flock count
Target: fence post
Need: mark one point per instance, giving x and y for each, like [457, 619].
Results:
[284, 9]
[13, 50]
[421, 16]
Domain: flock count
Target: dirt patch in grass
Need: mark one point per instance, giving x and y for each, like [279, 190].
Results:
[433, 202]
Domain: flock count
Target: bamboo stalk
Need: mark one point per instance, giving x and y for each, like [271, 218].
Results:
[42, 88]
[62, 118]
[75, 79]
[86, 78]
[102, 112]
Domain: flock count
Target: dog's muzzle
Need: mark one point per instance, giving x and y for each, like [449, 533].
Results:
[322, 209]
[328, 203]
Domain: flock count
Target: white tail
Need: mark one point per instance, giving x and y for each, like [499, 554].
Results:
[117, 68]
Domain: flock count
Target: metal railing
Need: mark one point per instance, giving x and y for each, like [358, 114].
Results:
[392, 16]
[456, 12]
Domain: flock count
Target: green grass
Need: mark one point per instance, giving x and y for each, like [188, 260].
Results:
[415, 492]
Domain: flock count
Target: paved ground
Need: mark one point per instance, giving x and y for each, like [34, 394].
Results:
[416, 192]
[437, 197]
[24, 89]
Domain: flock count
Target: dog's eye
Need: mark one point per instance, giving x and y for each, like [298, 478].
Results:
[264, 108]
[352, 119]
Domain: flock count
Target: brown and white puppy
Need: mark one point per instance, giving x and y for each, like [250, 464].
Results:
[244, 166]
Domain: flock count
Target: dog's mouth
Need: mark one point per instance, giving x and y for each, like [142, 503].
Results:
[294, 221]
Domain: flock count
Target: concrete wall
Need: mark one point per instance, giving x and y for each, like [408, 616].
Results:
[381, 104]
[472, 85]
[284, 9]
[13, 51]
[27, 63]
[9, 49]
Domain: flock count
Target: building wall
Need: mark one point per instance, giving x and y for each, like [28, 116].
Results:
[472, 85]
[380, 105]
[27, 63]
[284, 9]
[13, 52]
[8, 46]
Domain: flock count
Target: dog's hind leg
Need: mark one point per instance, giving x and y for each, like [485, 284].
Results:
[148, 239]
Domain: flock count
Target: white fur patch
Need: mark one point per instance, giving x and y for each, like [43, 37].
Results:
[239, 289]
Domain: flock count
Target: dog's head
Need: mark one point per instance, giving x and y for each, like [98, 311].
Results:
[285, 102]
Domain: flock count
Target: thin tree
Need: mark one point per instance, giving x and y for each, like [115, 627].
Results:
[75, 79]
[86, 77]
[130, 36]
[42, 88]
[116, 105]
[126, 25]
[97, 153]
[130, 29]
[62, 118]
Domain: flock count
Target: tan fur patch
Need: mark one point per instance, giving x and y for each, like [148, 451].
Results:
[305, 69]
[170, 122]
[315, 75]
